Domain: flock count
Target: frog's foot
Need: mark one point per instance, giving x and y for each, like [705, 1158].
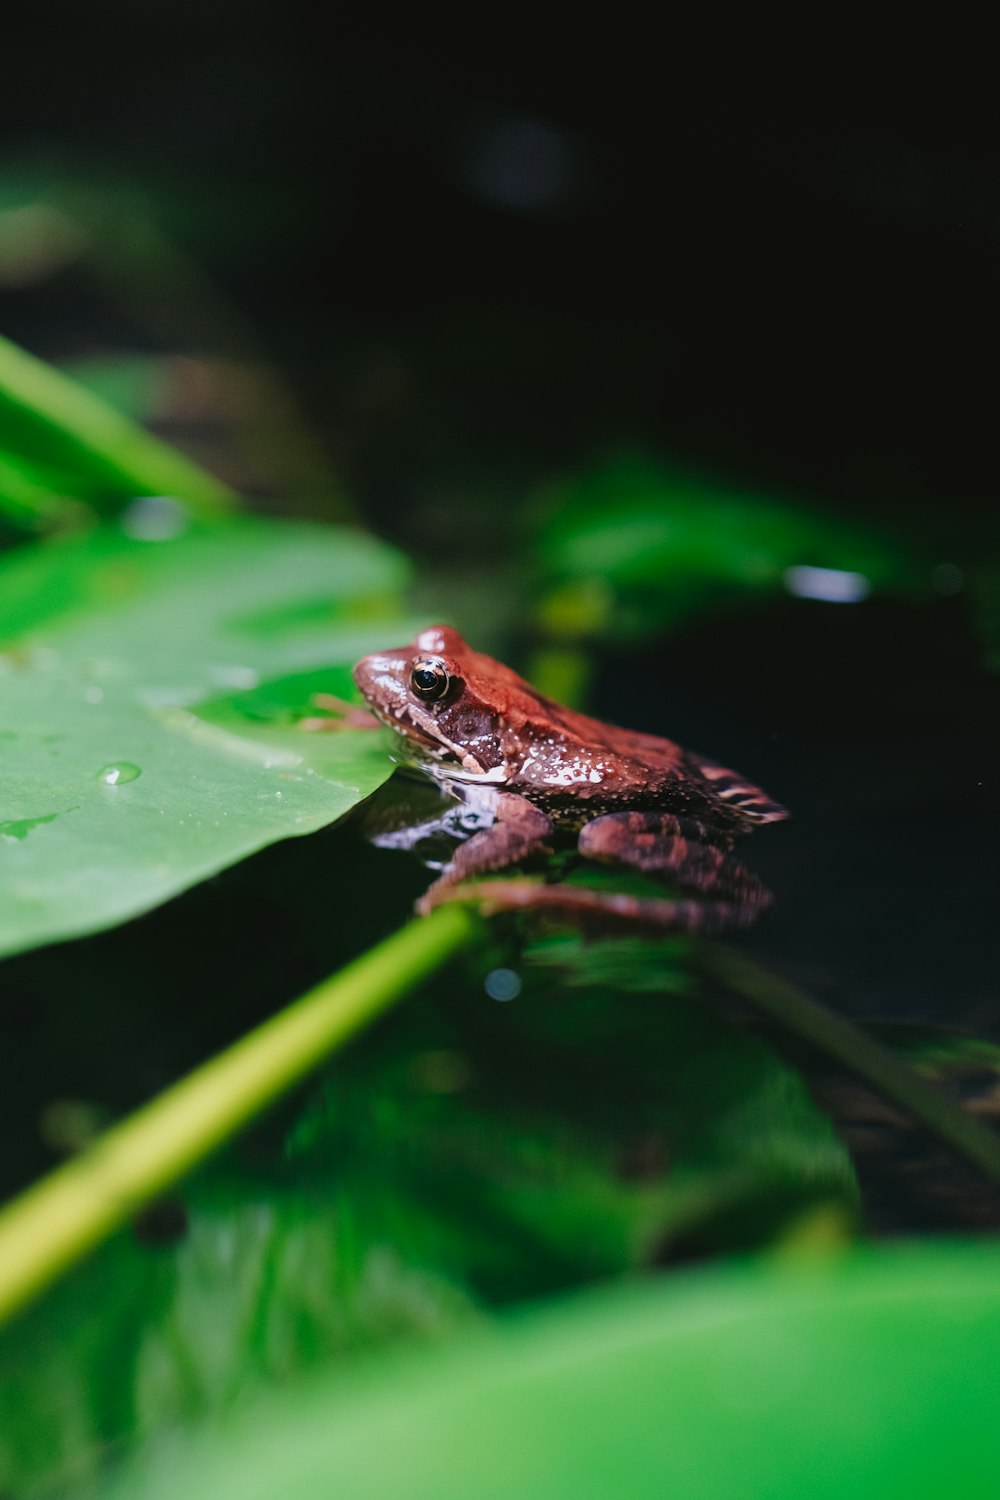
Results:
[519, 830]
[347, 715]
[599, 910]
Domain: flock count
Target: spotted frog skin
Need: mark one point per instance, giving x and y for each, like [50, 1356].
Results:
[535, 771]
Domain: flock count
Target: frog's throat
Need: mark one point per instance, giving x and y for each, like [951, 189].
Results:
[495, 776]
[439, 762]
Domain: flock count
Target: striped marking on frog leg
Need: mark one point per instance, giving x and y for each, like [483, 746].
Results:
[601, 911]
[732, 789]
[671, 848]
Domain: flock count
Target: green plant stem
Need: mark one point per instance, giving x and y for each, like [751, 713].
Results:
[57, 1221]
[797, 1012]
[84, 434]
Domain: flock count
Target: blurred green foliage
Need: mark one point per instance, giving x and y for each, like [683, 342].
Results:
[875, 1375]
[631, 547]
[464, 1156]
[62, 448]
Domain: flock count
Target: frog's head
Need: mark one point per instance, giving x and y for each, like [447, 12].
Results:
[446, 700]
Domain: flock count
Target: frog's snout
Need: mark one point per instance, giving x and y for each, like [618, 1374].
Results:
[362, 673]
[381, 677]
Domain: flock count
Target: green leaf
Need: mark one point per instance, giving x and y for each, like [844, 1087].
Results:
[875, 1375]
[632, 546]
[142, 688]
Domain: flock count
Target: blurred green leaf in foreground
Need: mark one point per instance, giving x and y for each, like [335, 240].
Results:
[873, 1375]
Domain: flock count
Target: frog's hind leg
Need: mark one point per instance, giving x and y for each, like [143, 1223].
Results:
[683, 852]
[605, 911]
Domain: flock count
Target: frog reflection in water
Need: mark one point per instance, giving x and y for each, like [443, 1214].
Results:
[530, 771]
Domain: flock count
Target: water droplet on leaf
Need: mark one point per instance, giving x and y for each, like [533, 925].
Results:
[232, 676]
[118, 772]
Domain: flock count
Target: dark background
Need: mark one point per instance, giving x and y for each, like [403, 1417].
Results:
[556, 238]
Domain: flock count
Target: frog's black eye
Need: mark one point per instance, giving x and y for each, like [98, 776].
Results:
[430, 678]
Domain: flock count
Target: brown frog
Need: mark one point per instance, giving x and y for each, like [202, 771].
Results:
[530, 771]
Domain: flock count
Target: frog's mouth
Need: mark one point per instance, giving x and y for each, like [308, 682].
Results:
[437, 755]
[422, 744]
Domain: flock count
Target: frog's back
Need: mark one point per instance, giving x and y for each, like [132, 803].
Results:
[683, 781]
[601, 767]
[578, 766]
[652, 753]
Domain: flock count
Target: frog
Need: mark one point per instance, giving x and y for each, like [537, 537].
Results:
[532, 774]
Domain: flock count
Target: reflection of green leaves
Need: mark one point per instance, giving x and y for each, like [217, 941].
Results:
[632, 546]
[115, 653]
[873, 1376]
[463, 1155]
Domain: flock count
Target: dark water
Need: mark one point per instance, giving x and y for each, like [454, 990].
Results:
[878, 726]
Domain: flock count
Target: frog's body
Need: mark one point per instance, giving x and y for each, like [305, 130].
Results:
[489, 739]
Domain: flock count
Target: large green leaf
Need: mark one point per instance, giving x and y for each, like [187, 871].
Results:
[877, 1375]
[147, 692]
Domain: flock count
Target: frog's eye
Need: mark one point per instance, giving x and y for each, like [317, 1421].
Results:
[430, 678]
